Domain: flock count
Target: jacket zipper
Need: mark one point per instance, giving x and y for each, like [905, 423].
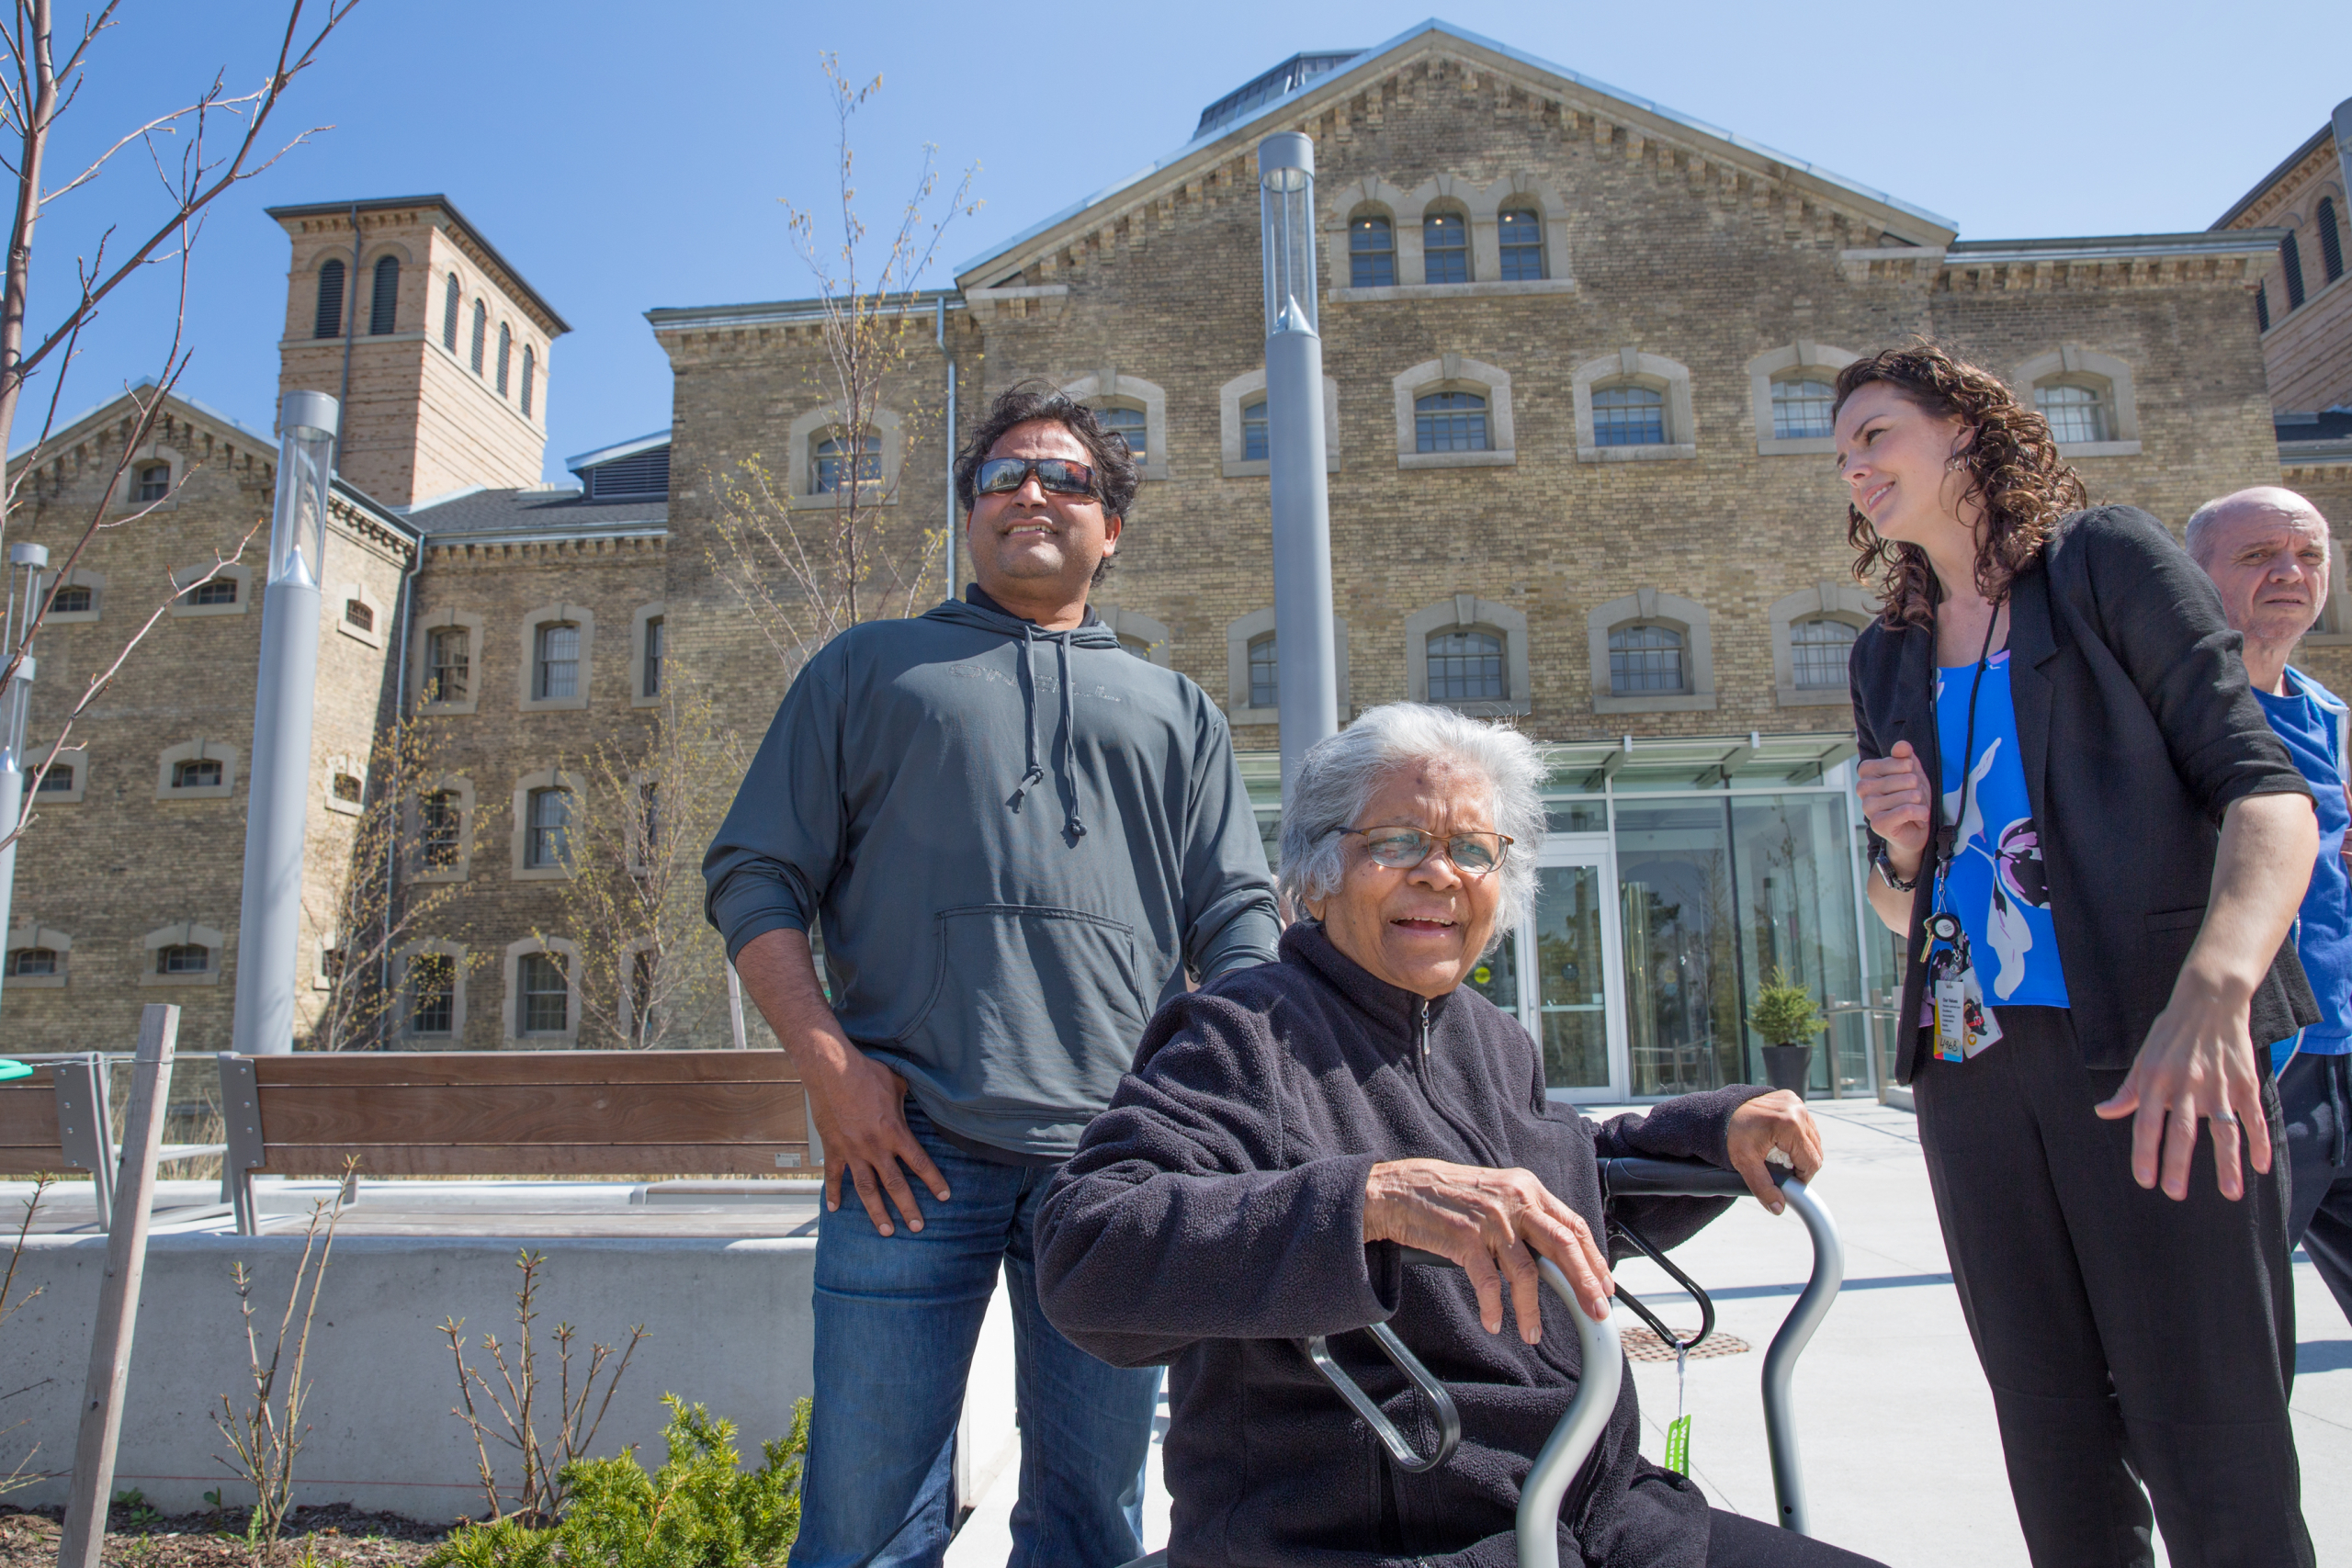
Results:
[1421, 1019]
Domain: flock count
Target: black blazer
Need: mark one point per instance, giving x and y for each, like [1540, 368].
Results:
[2136, 728]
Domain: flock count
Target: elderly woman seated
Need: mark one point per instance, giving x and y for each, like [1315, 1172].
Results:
[1288, 1129]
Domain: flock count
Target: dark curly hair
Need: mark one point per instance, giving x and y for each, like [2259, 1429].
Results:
[2013, 473]
[1026, 402]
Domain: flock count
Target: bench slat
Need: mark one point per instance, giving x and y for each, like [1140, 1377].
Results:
[521, 1115]
[454, 1068]
[541, 1160]
[29, 1119]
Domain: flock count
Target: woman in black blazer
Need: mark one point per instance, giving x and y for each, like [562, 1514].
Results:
[2095, 898]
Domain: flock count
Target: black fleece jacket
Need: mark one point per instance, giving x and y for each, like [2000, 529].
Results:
[1213, 1217]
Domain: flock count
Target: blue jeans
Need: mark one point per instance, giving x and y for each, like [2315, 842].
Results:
[897, 1321]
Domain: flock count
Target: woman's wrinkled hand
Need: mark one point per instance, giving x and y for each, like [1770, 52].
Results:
[1492, 1223]
[1774, 1121]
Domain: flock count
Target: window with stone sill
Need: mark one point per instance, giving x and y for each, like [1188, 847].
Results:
[1818, 651]
[1139, 647]
[155, 482]
[1129, 423]
[2076, 412]
[182, 958]
[59, 780]
[1521, 231]
[358, 612]
[1265, 685]
[327, 322]
[548, 846]
[441, 826]
[197, 772]
[1466, 667]
[546, 993]
[831, 470]
[1450, 422]
[555, 664]
[214, 591]
[1646, 661]
[653, 673]
[432, 994]
[35, 962]
[73, 599]
[1628, 415]
[383, 304]
[1445, 248]
[348, 787]
[448, 665]
[1801, 409]
[1371, 253]
[1253, 431]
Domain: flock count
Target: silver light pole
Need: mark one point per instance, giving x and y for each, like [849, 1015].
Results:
[14, 704]
[1305, 673]
[269, 919]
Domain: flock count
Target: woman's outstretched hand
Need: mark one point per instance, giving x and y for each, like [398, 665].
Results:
[1774, 1121]
[1493, 1222]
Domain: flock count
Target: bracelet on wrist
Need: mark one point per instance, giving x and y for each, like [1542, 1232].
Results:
[1880, 858]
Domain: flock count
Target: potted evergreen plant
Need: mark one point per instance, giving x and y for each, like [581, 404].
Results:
[1786, 1016]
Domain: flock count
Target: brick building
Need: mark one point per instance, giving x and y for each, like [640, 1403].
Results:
[1578, 347]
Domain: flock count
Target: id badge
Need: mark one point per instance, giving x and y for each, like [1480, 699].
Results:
[1964, 1026]
[1951, 1018]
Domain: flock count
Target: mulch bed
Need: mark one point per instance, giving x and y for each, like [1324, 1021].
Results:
[139, 1537]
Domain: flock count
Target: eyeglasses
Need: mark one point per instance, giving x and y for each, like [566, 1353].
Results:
[1401, 849]
[1056, 476]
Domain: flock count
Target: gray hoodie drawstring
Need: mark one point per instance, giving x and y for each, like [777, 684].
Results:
[1071, 823]
[1035, 775]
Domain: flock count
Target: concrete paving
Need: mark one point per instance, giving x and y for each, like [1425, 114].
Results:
[1902, 1458]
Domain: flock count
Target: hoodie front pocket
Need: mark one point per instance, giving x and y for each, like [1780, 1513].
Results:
[1030, 1005]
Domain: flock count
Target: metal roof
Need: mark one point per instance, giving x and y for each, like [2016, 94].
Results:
[2116, 248]
[619, 450]
[495, 516]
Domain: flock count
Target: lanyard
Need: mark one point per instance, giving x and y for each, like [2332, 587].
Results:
[1947, 836]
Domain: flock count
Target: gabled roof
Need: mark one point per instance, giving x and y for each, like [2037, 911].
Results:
[2320, 138]
[501, 516]
[557, 326]
[1899, 217]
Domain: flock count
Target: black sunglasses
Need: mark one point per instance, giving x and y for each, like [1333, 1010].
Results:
[1058, 476]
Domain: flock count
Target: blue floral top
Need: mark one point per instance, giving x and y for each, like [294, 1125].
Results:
[1997, 886]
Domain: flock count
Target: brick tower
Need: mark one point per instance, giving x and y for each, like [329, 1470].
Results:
[447, 345]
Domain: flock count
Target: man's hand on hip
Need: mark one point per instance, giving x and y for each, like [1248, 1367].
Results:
[859, 1105]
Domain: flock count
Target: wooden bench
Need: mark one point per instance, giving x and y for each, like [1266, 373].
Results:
[61, 1120]
[553, 1113]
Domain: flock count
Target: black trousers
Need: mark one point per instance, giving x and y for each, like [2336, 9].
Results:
[1736, 1541]
[2315, 1093]
[2129, 1340]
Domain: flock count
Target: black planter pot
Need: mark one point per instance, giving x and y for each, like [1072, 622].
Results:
[1788, 1067]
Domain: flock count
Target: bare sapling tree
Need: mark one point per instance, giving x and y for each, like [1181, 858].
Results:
[22, 1475]
[653, 971]
[517, 1401]
[816, 543]
[267, 1434]
[198, 151]
[407, 841]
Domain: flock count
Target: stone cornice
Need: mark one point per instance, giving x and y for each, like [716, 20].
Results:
[501, 552]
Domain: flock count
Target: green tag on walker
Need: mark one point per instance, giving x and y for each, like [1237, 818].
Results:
[1678, 1445]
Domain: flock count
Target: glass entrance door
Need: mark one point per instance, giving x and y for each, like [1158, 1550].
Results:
[1558, 974]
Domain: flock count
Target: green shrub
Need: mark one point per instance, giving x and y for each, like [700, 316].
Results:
[1784, 1014]
[698, 1511]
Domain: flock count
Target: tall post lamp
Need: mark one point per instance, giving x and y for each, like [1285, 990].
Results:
[14, 702]
[1305, 674]
[270, 919]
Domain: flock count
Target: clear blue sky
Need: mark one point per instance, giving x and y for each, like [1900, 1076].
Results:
[630, 156]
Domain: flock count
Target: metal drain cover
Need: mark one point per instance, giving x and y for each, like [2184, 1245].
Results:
[1644, 1344]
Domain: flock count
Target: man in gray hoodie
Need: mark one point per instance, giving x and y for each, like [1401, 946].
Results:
[1018, 840]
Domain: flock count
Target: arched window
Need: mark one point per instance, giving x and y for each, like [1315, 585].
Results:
[482, 333]
[155, 482]
[329, 321]
[33, 963]
[1628, 417]
[831, 472]
[73, 599]
[1130, 424]
[59, 780]
[1522, 237]
[1645, 658]
[1445, 248]
[2290, 261]
[1450, 422]
[432, 994]
[2331, 241]
[1818, 650]
[215, 591]
[1372, 252]
[556, 662]
[505, 354]
[383, 305]
[548, 844]
[2262, 307]
[449, 315]
[545, 993]
[2075, 412]
[1253, 431]
[182, 958]
[1265, 688]
[1801, 409]
[1466, 667]
[197, 772]
[360, 614]
[530, 369]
